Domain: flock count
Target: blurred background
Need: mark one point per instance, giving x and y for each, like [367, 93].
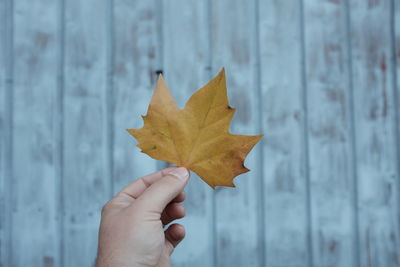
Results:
[319, 78]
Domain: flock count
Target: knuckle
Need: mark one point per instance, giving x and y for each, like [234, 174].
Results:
[105, 208]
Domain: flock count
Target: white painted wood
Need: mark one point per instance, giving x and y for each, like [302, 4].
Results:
[329, 135]
[35, 236]
[284, 163]
[375, 130]
[86, 174]
[185, 52]
[5, 134]
[396, 68]
[112, 51]
[134, 64]
[396, 78]
[237, 214]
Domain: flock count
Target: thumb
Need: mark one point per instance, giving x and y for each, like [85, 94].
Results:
[162, 192]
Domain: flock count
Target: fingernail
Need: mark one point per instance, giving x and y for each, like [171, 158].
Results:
[180, 173]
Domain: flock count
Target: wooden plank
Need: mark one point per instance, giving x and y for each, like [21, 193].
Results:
[329, 135]
[134, 65]
[86, 181]
[34, 156]
[396, 78]
[284, 164]
[237, 212]
[185, 62]
[374, 116]
[5, 134]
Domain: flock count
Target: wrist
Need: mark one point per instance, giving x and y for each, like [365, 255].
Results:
[108, 262]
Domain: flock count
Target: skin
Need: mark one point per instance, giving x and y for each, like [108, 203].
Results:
[132, 223]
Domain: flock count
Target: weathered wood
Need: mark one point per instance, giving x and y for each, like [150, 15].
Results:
[374, 116]
[396, 78]
[5, 133]
[185, 65]
[35, 236]
[237, 209]
[86, 181]
[329, 135]
[284, 163]
[320, 77]
[134, 65]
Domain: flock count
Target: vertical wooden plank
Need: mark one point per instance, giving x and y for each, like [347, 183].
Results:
[35, 236]
[134, 66]
[85, 160]
[285, 181]
[233, 47]
[374, 116]
[329, 131]
[396, 78]
[5, 130]
[396, 49]
[185, 61]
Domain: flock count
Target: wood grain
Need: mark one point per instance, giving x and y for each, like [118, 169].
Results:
[284, 164]
[5, 133]
[34, 156]
[86, 173]
[329, 135]
[395, 20]
[237, 209]
[185, 36]
[375, 131]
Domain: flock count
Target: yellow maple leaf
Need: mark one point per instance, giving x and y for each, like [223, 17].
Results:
[196, 137]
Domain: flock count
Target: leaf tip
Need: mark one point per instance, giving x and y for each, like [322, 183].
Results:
[221, 75]
[258, 138]
[160, 80]
[132, 131]
[222, 72]
[245, 169]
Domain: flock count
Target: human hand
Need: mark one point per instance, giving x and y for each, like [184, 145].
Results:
[131, 230]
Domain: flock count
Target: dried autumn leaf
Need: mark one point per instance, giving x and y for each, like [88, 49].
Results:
[196, 137]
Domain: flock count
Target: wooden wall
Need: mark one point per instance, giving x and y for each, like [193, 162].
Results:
[321, 80]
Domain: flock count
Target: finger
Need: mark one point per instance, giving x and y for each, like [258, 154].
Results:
[137, 187]
[162, 192]
[173, 236]
[172, 212]
[180, 198]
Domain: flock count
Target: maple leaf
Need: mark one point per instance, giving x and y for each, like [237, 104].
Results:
[196, 137]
